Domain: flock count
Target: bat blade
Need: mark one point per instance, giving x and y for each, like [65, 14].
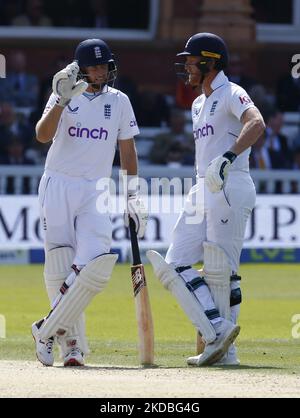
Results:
[143, 315]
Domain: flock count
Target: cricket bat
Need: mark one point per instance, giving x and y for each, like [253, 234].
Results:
[142, 303]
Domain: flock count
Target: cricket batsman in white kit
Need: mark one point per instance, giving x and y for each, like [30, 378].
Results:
[84, 118]
[225, 125]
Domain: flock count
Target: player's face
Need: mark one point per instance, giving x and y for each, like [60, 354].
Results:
[97, 74]
[193, 71]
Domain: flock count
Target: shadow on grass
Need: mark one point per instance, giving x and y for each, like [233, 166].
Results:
[162, 367]
[246, 367]
[112, 367]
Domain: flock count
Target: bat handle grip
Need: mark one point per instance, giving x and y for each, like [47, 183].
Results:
[134, 243]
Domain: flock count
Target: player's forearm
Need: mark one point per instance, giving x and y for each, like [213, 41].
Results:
[130, 166]
[128, 157]
[47, 125]
[250, 133]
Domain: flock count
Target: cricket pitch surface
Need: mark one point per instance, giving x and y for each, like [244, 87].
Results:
[29, 379]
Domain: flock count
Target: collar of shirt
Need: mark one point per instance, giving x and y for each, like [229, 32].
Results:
[219, 80]
[105, 88]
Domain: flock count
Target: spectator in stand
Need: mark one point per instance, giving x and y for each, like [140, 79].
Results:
[19, 87]
[11, 126]
[164, 148]
[128, 86]
[8, 11]
[236, 73]
[296, 163]
[271, 151]
[277, 143]
[68, 13]
[296, 166]
[152, 110]
[174, 155]
[263, 100]
[15, 156]
[96, 14]
[15, 153]
[7, 122]
[34, 15]
[46, 87]
[185, 95]
[260, 157]
[288, 92]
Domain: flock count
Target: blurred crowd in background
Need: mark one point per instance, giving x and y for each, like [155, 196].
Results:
[75, 13]
[23, 97]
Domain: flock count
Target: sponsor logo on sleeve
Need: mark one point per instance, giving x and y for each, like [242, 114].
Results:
[245, 100]
[133, 123]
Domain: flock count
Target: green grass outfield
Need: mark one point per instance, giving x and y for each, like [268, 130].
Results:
[271, 296]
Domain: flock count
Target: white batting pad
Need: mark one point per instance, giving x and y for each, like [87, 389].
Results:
[58, 262]
[79, 329]
[91, 280]
[217, 276]
[191, 306]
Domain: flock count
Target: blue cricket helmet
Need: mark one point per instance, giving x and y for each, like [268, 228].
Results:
[93, 52]
[208, 46]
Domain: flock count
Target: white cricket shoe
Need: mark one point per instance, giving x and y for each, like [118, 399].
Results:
[74, 358]
[230, 358]
[214, 351]
[43, 348]
[74, 355]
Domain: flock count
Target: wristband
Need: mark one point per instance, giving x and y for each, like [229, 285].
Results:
[62, 102]
[231, 156]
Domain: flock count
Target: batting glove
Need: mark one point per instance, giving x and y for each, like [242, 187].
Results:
[217, 171]
[64, 84]
[138, 212]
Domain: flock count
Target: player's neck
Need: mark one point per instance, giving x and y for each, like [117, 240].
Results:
[206, 85]
[91, 89]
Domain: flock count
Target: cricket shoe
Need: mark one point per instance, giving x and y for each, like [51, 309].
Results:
[213, 352]
[43, 348]
[74, 358]
[74, 355]
[230, 358]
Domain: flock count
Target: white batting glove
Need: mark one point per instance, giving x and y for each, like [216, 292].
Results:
[138, 212]
[64, 84]
[217, 171]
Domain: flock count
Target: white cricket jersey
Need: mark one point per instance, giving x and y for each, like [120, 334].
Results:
[86, 138]
[216, 123]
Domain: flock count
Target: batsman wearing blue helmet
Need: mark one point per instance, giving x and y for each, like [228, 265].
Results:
[85, 119]
[212, 224]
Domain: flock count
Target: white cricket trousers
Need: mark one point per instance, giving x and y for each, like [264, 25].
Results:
[222, 220]
[69, 216]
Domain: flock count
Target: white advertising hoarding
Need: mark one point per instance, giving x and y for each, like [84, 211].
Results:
[275, 223]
